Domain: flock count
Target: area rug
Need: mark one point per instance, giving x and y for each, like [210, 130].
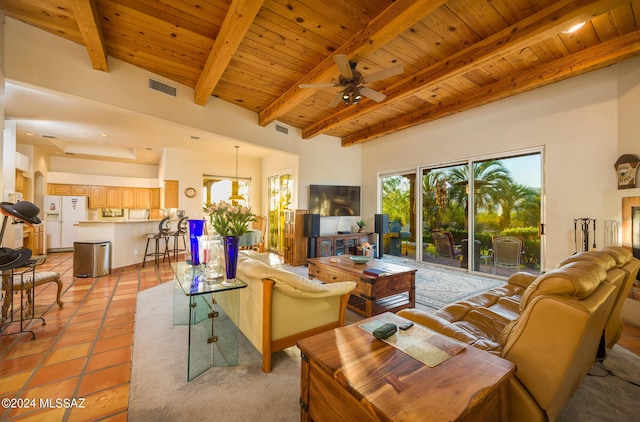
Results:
[160, 392]
[159, 388]
[438, 286]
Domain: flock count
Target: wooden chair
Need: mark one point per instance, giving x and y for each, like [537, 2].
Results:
[31, 280]
[445, 246]
[507, 252]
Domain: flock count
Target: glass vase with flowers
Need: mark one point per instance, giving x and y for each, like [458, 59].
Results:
[230, 221]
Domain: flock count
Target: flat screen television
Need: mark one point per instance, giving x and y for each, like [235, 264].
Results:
[330, 200]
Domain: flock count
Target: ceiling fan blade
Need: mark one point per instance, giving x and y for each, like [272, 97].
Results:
[382, 74]
[343, 65]
[374, 95]
[327, 85]
[336, 100]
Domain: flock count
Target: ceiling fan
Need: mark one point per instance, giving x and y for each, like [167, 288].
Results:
[352, 81]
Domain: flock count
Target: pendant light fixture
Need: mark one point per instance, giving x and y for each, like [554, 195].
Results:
[235, 196]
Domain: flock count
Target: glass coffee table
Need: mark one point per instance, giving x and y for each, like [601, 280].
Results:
[213, 331]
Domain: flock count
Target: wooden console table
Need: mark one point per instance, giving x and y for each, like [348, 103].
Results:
[349, 375]
[373, 295]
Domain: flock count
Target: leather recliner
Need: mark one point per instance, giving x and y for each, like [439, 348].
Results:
[549, 326]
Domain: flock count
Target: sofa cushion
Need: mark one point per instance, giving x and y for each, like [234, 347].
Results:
[604, 259]
[257, 269]
[294, 280]
[576, 279]
[620, 254]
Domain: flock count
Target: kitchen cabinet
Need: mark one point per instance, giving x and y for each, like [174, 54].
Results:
[79, 190]
[129, 198]
[59, 189]
[114, 197]
[155, 198]
[33, 238]
[136, 198]
[38, 239]
[142, 199]
[19, 181]
[98, 197]
[171, 188]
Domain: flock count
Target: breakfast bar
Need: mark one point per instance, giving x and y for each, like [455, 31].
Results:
[126, 236]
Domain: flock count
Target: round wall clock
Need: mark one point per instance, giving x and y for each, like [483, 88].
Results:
[190, 192]
[626, 169]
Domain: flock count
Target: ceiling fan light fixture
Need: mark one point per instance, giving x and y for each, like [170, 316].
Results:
[355, 95]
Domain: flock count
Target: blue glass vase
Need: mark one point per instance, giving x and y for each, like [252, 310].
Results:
[231, 248]
[196, 228]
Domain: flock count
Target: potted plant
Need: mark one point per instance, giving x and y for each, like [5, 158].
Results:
[361, 224]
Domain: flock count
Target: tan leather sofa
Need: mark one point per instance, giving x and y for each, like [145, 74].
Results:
[613, 259]
[278, 308]
[549, 325]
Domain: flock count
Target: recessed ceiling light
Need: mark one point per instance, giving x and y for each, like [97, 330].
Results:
[574, 28]
[105, 135]
[29, 134]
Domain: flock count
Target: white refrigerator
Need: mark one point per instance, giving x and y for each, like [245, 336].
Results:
[61, 214]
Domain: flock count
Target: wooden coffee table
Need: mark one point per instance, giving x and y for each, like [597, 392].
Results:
[349, 375]
[373, 295]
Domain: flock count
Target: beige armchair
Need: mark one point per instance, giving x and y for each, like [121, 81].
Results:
[279, 308]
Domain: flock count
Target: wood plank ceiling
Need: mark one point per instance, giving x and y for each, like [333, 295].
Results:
[456, 54]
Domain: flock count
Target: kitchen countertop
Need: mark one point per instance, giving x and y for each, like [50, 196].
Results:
[128, 237]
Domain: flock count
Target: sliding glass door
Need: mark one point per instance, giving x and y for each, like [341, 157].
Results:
[507, 214]
[484, 214]
[444, 214]
[398, 202]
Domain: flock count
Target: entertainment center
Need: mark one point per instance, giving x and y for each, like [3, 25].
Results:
[340, 244]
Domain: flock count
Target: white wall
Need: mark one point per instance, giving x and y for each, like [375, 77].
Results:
[575, 121]
[629, 106]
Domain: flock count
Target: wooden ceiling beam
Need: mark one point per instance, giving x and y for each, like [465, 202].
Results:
[89, 26]
[602, 55]
[547, 22]
[397, 18]
[236, 24]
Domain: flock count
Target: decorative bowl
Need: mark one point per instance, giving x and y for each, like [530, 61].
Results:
[360, 259]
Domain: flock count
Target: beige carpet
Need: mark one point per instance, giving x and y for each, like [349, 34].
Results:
[160, 391]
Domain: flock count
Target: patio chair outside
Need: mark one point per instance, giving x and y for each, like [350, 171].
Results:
[445, 246]
[507, 252]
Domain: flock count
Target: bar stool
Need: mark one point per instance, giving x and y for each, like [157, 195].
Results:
[163, 233]
[181, 231]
